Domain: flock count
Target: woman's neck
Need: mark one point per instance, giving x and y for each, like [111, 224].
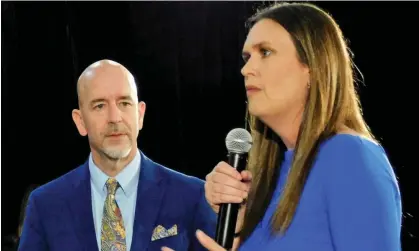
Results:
[286, 128]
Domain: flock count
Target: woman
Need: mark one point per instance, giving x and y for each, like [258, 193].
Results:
[321, 180]
[11, 242]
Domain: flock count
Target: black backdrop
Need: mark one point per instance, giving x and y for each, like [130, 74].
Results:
[186, 57]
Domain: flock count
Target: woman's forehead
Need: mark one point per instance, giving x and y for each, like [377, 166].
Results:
[266, 32]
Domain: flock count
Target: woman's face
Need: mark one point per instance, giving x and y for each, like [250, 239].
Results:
[276, 82]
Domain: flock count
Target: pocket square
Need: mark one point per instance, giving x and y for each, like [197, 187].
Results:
[160, 232]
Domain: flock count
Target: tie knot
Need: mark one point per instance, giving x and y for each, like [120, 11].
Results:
[112, 184]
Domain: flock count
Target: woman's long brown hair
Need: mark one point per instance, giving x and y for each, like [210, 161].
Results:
[332, 102]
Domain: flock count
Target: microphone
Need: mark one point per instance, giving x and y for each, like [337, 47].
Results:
[238, 142]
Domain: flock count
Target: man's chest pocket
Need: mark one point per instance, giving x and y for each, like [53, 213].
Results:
[174, 237]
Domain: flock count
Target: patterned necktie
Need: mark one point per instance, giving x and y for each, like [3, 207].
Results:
[113, 230]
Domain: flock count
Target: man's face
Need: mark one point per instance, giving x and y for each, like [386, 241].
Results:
[111, 115]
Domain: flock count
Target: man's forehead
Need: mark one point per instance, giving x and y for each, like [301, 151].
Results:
[109, 92]
[106, 79]
[111, 85]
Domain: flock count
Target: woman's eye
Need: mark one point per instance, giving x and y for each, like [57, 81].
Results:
[245, 57]
[265, 52]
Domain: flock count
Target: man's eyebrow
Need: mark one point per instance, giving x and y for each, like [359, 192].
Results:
[125, 97]
[97, 100]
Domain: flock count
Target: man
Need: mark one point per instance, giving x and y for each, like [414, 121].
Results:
[118, 199]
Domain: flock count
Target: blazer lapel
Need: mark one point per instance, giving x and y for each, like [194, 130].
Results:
[149, 197]
[81, 207]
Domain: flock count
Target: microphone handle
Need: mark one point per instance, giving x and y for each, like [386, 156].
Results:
[227, 216]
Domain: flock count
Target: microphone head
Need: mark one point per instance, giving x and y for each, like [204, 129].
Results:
[239, 141]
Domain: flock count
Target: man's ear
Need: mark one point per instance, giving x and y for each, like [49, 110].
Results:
[141, 114]
[78, 120]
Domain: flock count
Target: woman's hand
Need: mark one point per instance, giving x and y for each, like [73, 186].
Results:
[226, 185]
[205, 241]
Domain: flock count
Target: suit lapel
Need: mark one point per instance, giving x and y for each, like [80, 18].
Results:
[149, 197]
[80, 203]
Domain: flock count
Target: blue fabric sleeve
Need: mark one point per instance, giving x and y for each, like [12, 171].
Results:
[205, 219]
[32, 237]
[362, 196]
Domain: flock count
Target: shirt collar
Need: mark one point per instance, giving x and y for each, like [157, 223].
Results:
[127, 178]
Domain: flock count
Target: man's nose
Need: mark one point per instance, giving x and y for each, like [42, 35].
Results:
[114, 114]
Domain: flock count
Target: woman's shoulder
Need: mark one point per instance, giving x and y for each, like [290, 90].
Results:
[351, 145]
[349, 153]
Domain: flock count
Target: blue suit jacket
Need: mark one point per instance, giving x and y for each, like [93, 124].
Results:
[59, 214]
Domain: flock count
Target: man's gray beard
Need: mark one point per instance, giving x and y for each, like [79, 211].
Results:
[116, 154]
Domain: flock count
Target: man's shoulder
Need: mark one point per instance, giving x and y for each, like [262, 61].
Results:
[60, 186]
[178, 178]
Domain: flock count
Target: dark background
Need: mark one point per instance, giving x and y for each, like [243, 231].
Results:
[186, 57]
